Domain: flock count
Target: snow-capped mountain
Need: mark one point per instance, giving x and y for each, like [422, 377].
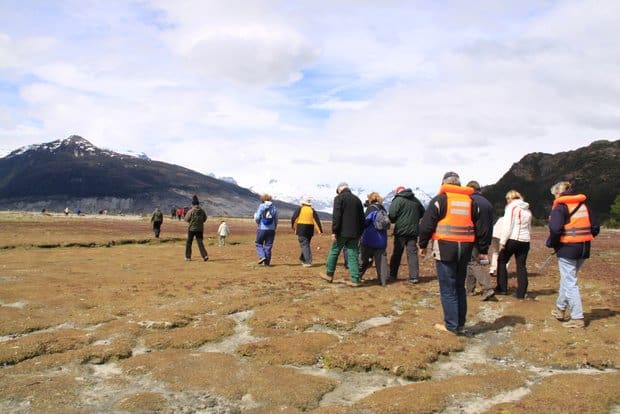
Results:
[322, 195]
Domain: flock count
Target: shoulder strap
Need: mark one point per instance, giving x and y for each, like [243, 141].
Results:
[575, 210]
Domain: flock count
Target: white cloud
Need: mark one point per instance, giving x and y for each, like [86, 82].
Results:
[376, 94]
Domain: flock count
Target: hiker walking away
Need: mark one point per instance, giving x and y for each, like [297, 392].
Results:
[514, 238]
[173, 213]
[266, 218]
[66, 211]
[157, 218]
[179, 213]
[374, 238]
[452, 221]
[347, 227]
[222, 232]
[196, 217]
[305, 221]
[572, 227]
[405, 212]
[476, 271]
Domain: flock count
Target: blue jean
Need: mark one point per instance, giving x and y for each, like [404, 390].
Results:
[451, 276]
[569, 290]
[264, 243]
[351, 248]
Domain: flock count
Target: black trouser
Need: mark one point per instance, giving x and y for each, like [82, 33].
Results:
[520, 250]
[188, 245]
[156, 228]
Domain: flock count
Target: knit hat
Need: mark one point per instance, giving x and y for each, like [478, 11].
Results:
[399, 189]
[195, 201]
[450, 174]
[306, 200]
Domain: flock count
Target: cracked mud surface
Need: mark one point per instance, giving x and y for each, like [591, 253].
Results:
[95, 316]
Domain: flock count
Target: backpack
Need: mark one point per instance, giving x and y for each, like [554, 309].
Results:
[381, 221]
[267, 216]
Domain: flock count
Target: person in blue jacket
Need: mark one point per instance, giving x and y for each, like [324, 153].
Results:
[266, 218]
[373, 243]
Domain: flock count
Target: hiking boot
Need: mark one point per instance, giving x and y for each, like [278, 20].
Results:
[414, 280]
[262, 260]
[327, 277]
[205, 258]
[559, 314]
[188, 259]
[488, 294]
[306, 264]
[352, 284]
[574, 323]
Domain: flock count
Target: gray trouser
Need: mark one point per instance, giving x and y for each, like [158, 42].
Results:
[408, 244]
[306, 251]
[477, 272]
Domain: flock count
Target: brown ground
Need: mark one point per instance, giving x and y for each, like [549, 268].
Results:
[96, 316]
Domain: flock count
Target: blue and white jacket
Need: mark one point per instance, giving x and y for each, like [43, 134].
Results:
[259, 214]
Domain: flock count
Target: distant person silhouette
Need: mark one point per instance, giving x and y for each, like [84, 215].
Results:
[196, 217]
[157, 218]
[223, 232]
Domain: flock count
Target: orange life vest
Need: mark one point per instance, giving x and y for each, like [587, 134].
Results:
[457, 225]
[579, 228]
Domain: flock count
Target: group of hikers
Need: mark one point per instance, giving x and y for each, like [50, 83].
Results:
[457, 224]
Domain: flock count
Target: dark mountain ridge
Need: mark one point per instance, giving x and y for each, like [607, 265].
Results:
[74, 173]
[593, 170]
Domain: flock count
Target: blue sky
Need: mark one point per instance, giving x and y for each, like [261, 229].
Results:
[378, 94]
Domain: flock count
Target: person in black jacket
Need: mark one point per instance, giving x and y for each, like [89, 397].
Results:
[452, 221]
[347, 227]
[475, 269]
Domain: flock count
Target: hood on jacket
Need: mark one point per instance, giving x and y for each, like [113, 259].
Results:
[521, 204]
[406, 193]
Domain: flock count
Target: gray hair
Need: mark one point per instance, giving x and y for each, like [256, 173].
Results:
[451, 178]
[558, 188]
[341, 187]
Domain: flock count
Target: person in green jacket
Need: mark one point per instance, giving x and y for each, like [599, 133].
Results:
[405, 211]
[196, 218]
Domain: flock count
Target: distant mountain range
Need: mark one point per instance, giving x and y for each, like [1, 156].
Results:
[74, 173]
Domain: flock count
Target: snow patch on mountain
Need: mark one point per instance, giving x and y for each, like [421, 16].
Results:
[322, 195]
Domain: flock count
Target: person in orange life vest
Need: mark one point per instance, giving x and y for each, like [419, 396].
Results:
[514, 238]
[453, 221]
[572, 227]
[304, 221]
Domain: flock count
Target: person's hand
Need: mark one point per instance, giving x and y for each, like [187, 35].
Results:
[334, 238]
[502, 247]
[423, 253]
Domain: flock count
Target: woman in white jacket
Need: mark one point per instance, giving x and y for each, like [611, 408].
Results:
[514, 238]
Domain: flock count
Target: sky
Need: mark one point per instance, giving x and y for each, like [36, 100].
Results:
[375, 93]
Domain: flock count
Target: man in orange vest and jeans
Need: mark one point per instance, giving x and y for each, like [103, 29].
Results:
[454, 223]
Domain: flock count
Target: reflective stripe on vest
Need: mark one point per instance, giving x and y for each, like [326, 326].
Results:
[457, 224]
[579, 228]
